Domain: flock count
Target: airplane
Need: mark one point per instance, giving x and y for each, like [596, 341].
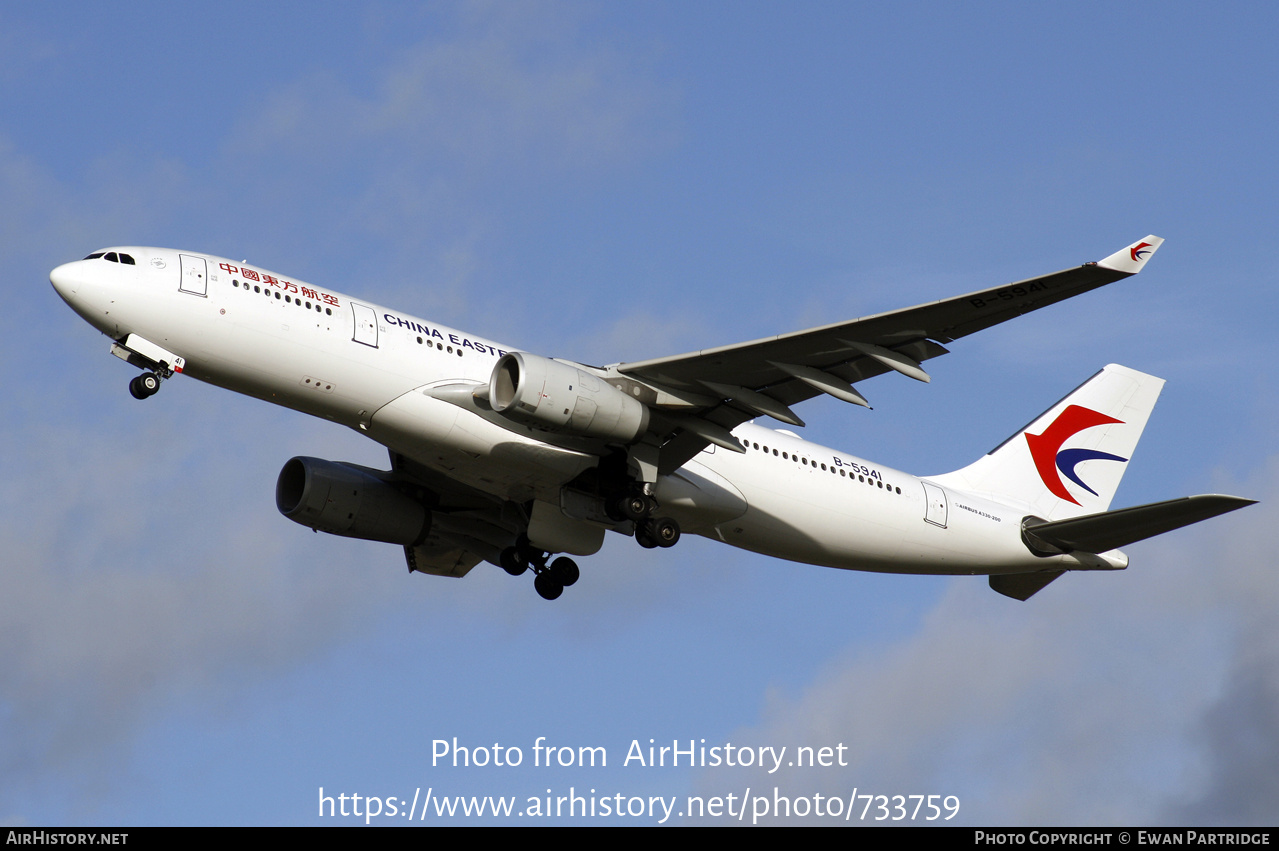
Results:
[519, 460]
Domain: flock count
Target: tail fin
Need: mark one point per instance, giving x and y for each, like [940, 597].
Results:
[1068, 461]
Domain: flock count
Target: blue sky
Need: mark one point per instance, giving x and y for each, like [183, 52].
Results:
[606, 182]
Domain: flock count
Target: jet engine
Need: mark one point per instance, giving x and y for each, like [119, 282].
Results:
[349, 500]
[557, 396]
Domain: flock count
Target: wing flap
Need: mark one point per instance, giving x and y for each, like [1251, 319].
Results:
[440, 559]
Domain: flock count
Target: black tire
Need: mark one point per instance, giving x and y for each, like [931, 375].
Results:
[644, 536]
[613, 508]
[530, 554]
[565, 571]
[547, 587]
[665, 531]
[511, 561]
[149, 382]
[635, 507]
[135, 388]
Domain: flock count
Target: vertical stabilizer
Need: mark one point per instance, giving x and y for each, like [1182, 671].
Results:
[1068, 461]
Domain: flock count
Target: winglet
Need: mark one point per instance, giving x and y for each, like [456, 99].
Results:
[1132, 258]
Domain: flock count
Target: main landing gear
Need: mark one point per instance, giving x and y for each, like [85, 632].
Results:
[650, 531]
[657, 532]
[145, 385]
[549, 580]
[552, 577]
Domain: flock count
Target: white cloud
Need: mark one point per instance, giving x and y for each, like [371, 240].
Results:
[1145, 697]
[139, 567]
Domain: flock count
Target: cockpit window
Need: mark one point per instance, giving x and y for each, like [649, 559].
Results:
[126, 259]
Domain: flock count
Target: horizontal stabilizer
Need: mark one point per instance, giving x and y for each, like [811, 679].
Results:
[1098, 533]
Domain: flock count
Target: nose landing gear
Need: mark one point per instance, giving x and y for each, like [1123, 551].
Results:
[145, 385]
[156, 363]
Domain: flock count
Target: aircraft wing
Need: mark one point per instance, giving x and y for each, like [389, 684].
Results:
[728, 385]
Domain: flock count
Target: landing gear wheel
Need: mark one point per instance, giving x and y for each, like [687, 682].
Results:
[634, 507]
[530, 554]
[657, 532]
[665, 530]
[565, 571]
[144, 385]
[644, 536]
[512, 562]
[547, 586]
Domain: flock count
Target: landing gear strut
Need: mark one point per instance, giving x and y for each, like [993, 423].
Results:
[145, 385]
[549, 580]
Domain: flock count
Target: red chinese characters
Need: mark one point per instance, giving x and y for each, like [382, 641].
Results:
[288, 286]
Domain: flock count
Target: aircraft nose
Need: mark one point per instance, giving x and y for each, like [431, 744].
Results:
[82, 286]
[65, 280]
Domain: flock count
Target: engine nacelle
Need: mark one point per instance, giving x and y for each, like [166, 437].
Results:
[556, 396]
[349, 500]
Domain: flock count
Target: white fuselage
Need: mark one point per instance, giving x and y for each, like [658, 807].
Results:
[366, 367]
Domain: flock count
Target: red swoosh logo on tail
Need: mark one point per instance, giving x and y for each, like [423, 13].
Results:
[1044, 447]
